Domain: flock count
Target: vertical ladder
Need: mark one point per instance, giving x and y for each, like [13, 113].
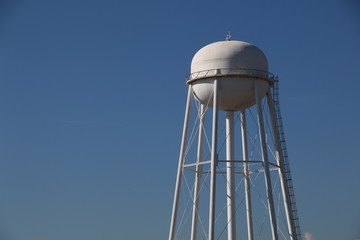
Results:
[286, 164]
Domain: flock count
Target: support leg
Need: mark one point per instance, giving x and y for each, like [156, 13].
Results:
[247, 182]
[213, 163]
[266, 163]
[180, 166]
[280, 160]
[230, 177]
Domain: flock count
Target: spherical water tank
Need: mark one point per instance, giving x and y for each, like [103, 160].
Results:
[237, 66]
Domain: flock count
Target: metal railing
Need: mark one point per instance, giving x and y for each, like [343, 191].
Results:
[230, 72]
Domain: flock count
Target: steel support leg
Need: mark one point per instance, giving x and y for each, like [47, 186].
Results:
[180, 166]
[280, 161]
[213, 163]
[266, 163]
[247, 181]
[230, 177]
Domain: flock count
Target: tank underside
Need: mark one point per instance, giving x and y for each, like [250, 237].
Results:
[235, 93]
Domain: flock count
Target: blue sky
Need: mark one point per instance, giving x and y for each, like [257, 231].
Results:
[92, 99]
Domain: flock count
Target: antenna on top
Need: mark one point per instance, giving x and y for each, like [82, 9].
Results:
[228, 36]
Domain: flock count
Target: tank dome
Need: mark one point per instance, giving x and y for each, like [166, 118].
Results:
[229, 54]
[237, 66]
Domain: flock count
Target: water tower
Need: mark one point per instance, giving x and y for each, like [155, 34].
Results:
[233, 179]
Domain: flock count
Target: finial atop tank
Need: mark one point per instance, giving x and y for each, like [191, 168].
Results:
[228, 36]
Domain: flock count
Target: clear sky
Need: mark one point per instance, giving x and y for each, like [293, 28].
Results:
[92, 98]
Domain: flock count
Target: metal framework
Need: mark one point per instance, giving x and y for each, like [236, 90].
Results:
[280, 166]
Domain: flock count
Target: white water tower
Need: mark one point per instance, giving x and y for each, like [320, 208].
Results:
[236, 183]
